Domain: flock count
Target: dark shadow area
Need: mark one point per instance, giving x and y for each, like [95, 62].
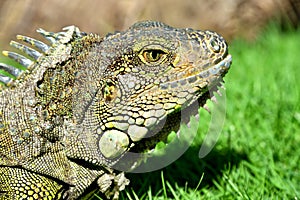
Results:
[187, 171]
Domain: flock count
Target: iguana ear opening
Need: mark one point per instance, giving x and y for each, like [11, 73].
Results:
[109, 91]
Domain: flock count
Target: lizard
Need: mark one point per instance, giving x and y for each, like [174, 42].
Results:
[80, 102]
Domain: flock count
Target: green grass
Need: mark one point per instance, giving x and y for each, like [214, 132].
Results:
[258, 154]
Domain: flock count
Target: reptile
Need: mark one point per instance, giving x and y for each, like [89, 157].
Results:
[79, 103]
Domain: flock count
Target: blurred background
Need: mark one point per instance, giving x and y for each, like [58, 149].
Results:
[231, 18]
[257, 155]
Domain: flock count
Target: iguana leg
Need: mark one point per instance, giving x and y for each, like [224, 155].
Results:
[112, 184]
[16, 183]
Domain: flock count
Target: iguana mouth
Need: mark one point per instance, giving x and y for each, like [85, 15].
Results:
[214, 76]
[217, 70]
[156, 148]
[221, 67]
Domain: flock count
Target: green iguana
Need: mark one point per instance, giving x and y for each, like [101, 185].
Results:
[80, 103]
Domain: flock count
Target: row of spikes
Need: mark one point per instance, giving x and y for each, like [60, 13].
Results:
[10, 72]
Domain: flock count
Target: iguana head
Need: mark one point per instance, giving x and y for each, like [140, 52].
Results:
[141, 80]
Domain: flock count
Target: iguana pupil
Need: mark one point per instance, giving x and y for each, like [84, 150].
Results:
[153, 55]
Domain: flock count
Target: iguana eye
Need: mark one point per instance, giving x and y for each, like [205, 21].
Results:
[153, 56]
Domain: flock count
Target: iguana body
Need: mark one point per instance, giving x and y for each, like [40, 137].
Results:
[83, 102]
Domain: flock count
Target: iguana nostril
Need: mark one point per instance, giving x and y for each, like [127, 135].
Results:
[215, 46]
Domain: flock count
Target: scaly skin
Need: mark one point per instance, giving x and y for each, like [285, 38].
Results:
[85, 101]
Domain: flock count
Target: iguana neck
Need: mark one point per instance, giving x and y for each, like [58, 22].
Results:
[60, 87]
